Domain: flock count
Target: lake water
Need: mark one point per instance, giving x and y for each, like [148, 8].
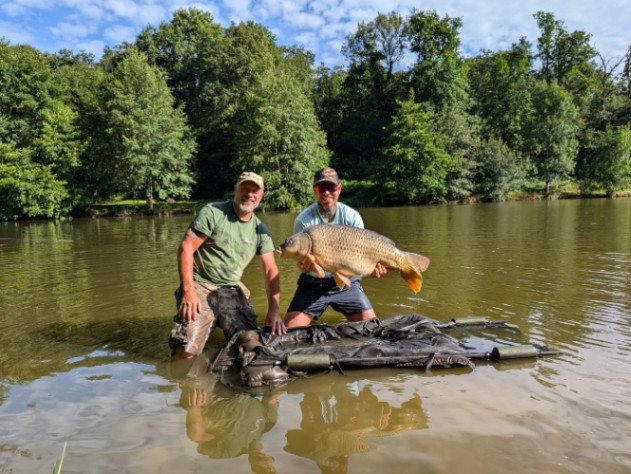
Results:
[87, 305]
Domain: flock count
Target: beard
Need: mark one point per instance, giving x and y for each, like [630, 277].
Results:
[245, 207]
[327, 213]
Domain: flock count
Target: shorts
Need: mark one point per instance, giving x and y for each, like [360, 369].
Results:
[228, 307]
[315, 295]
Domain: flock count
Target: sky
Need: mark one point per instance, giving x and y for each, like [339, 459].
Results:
[320, 26]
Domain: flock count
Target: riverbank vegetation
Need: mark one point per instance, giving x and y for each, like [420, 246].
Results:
[182, 110]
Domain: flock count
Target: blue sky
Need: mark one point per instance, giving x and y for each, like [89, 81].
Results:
[318, 25]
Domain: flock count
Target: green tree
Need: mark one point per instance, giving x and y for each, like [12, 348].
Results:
[501, 88]
[369, 93]
[499, 170]
[278, 136]
[607, 162]
[361, 129]
[41, 135]
[438, 76]
[192, 50]
[328, 102]
[559, 50]
[80, 83]
[415, 163]
[381, 41]
[249, 52]
[60, 141]
[551, 129]
[460, 134]
[149, 138]
[25, 91]
[28, 189]
[186, 49]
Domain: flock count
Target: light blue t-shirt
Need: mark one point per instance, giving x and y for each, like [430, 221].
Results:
[344, 214]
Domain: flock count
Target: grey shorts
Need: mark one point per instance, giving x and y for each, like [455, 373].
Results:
[315, 295]
[228, 307]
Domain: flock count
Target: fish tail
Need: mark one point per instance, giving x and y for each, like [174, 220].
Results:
[411, 271]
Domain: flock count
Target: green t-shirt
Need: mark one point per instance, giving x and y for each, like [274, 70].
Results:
[230, 246]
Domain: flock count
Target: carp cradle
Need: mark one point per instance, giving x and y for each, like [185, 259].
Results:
[402, 340]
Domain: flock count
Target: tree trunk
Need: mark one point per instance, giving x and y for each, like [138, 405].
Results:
[149, 194]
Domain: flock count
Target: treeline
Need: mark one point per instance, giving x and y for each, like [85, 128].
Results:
[409, 120]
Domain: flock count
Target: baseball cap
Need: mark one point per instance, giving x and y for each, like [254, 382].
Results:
[326, 174]
[252, 177]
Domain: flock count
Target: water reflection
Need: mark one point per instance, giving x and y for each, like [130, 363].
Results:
[340, 419]
[228, 424]
[224, 422]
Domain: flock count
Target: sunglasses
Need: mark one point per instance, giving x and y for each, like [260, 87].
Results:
[325, 186]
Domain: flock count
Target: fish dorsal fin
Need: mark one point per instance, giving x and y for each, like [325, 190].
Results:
[341, 280]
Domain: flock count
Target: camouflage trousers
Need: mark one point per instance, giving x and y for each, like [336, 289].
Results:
[228, 307]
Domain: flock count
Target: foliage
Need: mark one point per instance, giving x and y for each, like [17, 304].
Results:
[551, 133]
[25, 91]
[190, 104]
[501, 87]
[414, 160]
[499, 170]
[439, 76]
[279, 137]
[559, 50]
[149, 139]
[28, 189]
[369, 94]
[607, 162]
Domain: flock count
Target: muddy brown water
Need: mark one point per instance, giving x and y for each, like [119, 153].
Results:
[86, 308]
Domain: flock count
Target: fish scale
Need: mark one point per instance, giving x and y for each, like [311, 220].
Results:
[347, 251]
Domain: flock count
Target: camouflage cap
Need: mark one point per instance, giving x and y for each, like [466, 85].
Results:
[251, 177]
[326, 174]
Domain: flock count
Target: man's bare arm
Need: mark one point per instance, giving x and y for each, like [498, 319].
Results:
[190, 306]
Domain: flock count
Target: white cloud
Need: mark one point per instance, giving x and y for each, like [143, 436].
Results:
[320, 25]
[93, 12]
[239, 10]
[71, 31]
[15, 34]
[95, 47]
[118, 34]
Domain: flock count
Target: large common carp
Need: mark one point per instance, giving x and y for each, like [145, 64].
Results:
[347, 251]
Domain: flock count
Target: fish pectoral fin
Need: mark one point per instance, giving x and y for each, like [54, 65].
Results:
[314, 265]
[341, 280]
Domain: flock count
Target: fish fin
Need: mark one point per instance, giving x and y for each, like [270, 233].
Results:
[413, 279]
[341, 280]
[319, 270]
[411, 272]
[418, 261]
[314, 266]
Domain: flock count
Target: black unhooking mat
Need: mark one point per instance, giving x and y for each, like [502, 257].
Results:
[401, 340]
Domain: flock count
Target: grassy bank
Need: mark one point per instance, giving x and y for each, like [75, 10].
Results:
[354, 194]
[131, 207]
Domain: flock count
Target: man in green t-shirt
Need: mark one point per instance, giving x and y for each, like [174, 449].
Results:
[218, 245]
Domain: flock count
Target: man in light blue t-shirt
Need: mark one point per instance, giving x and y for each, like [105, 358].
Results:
[314, 295]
